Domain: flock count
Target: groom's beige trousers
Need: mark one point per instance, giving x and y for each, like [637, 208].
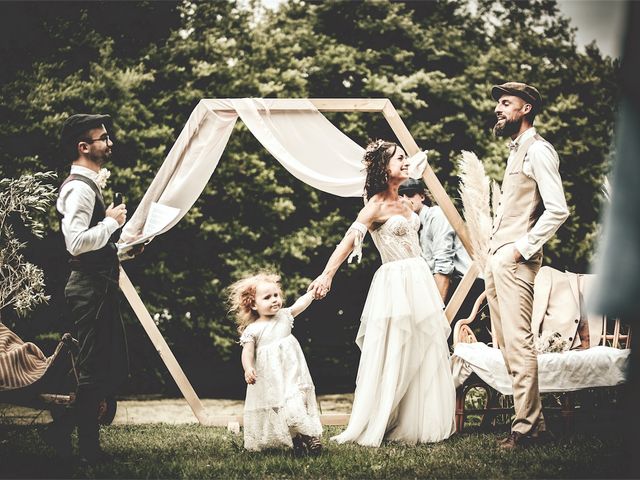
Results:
[509, 287]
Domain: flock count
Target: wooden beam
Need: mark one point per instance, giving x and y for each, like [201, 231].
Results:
[322, 104]
[400, 129]
[325, 419]
[461, 292]
[162, 348]
[441, 197]
[349, 104]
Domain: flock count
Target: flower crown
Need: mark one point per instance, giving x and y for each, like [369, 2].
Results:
[375, 146]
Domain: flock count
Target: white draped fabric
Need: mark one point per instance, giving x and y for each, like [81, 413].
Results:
[309, 146]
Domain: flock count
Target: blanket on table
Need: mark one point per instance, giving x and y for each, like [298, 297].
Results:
[557, 372]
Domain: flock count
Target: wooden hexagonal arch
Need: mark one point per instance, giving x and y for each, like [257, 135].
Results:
[381, 105]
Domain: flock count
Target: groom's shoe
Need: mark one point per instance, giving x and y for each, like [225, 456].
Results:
[515, 440]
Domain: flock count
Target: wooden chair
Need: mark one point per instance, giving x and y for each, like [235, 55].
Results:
[614, 334]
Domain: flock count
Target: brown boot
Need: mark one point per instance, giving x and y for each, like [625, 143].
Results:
[515, 440]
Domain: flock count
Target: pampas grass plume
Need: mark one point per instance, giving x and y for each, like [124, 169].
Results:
[475, 193]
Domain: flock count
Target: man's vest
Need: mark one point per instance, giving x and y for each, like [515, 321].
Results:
[106, 258]
[520, 203]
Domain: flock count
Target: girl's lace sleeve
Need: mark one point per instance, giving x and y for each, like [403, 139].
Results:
[286, 315]
[247, 336]
[289, 316]
[360, 231]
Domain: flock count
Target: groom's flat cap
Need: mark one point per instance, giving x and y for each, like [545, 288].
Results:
[79, 123]
[526, 92]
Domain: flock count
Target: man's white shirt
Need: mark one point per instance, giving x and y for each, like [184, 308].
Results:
[76, 202]
[541, 164]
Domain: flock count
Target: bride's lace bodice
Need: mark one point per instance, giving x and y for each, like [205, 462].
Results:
[397, 238]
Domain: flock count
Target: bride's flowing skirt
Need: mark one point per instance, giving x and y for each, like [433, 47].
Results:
[404, 387]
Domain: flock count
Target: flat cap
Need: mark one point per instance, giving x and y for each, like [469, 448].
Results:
[526, 92]
[411, 187]
[79, 123]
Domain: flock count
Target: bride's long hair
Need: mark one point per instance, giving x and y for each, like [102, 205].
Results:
[376, 160]
[242, 297]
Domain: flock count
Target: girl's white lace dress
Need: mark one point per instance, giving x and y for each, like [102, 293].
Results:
[404, 388]
[282, 402]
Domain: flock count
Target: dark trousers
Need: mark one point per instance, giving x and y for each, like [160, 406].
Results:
[102, 360]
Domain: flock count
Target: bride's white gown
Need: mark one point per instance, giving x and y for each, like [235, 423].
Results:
[404, 388]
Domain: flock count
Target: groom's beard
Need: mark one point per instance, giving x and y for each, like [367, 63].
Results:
[508, 128]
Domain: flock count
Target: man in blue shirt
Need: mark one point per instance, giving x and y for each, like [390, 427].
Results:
[441, 247]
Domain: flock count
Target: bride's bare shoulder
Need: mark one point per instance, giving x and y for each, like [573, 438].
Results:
[371, 212]
[374, 205]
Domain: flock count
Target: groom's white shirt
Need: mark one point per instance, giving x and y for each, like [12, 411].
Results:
[75, 203]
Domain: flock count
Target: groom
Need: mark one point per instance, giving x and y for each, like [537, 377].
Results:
[532, 207]
[90, 229]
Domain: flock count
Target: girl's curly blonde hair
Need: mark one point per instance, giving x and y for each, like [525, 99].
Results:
[242, 297]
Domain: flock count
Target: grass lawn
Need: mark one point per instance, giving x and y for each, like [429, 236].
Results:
[193, 451]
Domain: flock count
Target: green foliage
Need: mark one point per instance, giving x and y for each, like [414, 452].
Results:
[23, 201]
[436, 61]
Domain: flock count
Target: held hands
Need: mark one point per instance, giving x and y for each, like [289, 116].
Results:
[250, 375]
[320, 286]
[118, 213]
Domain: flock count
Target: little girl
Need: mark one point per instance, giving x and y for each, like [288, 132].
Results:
[280, 407]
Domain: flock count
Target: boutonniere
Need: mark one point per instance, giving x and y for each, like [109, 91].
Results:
[103, 176]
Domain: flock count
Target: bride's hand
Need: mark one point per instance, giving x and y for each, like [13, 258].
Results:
[320, 286]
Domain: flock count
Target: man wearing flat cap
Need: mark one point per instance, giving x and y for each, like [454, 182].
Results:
[532, 207]
[441, 247]
[90, 230]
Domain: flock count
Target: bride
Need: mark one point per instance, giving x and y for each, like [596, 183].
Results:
[404, 388]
